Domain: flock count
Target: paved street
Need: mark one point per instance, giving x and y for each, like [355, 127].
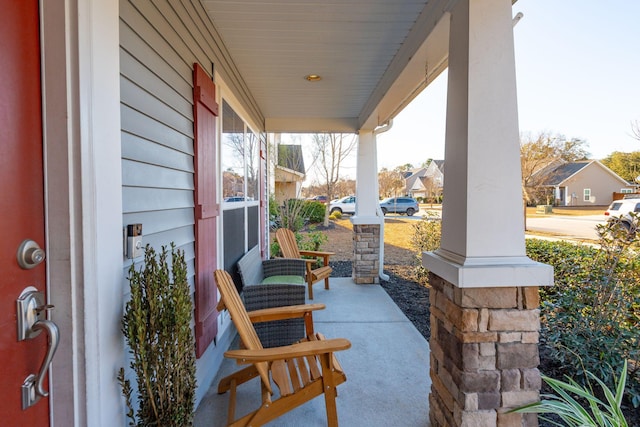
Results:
[575, 227]
[572, 227]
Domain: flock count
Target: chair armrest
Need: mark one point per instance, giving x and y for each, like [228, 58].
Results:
[286, 312]
[317, 253]
[283, 267]
[307, 348]
[324, 255]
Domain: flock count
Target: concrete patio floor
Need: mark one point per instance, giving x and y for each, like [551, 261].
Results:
[387, 366]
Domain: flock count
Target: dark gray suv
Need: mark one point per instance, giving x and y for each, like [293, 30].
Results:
[401, 205]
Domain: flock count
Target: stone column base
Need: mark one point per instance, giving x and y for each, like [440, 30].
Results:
[366, 253]
[484, 355]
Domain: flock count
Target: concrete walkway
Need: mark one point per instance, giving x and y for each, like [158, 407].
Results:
[387, 366]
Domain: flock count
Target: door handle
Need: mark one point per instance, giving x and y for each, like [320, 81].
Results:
[54, 338]
[31, 321]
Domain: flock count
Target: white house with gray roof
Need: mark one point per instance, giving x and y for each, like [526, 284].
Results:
[426, 181]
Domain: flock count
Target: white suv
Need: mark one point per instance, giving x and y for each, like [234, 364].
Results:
[344, 205]
[620, 211]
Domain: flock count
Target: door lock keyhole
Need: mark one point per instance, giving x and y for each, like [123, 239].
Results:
[29, 254]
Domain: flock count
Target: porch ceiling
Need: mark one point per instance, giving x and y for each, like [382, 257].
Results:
[374, 56]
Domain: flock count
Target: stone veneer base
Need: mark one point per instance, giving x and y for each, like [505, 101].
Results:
[366, 249]
[484, 355]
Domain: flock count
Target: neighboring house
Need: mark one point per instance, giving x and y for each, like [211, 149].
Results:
[583, 183]
[425, 182]
[289, 173]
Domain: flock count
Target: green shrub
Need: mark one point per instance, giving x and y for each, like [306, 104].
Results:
[335, 215]
[294, 214]
[425, 238]
[590, 317]
[315, 211]
[311, 241]
[274, 249]
[157, 328]
[273, 206]
[291, 214]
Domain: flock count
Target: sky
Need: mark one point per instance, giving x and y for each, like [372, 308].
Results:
[578, 76]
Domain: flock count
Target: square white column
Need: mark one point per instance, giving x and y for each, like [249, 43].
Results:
[483, 225]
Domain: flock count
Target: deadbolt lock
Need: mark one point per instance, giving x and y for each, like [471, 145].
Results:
[29, 254]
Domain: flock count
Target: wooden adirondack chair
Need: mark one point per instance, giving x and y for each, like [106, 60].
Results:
[289, 248]
[301, 371]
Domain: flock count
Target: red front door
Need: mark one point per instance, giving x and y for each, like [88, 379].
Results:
[21, 203]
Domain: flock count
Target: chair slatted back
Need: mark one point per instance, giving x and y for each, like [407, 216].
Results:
[241, 320]
[288, 244]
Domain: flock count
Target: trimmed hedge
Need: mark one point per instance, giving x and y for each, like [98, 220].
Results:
[591, 317]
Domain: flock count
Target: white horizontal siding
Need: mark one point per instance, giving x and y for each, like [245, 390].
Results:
[144, 150]
[137, 174]
[136, 123]
[159, 43]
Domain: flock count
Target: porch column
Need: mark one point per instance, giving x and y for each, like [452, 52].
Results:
[367, 222]
[484, 311]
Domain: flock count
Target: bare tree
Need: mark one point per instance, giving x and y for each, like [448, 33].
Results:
[232, 183]
[390, 182]
[541, 153]
[404, 168]
[331, 150]
[635, 129]
[433, 188]
[233, 158]
[545, 151]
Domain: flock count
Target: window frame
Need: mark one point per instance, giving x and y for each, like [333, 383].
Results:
[247, 134]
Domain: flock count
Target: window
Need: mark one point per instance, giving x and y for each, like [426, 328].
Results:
[233, 149]
[241, 171]
[240, 159]
[626, 191]
[587, 194]
[253, 166]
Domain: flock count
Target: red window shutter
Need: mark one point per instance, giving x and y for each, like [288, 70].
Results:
[205, 110]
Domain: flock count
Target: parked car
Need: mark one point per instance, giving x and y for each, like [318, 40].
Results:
[401, 205]
[346, 205]
[238, 199]
[321, 199]
[621, 211]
